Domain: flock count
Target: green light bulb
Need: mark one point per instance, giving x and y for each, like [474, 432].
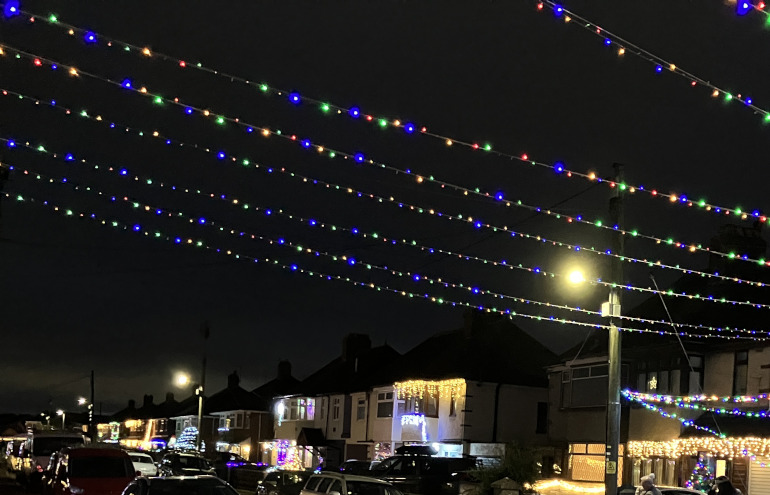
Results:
[158, 100]
[325, 107]
[220, 120]
[728, 97]
[52, 18]
[263, 87]
[383, 123]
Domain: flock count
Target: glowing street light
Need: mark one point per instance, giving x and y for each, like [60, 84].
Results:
[576, 277]
[183, 380]
[63, 415]
[82, 401]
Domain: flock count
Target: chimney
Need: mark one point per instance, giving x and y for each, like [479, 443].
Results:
[147, 400]
[131, 404]
[284, 370]
[233, 380]
[169, 396]
[355, 344]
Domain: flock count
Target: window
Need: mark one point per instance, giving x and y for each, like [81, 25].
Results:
[740, 373]
[541, 426]
[336, 408]
[431, 406]
[453, 405]
[586, 386]
[361, 410]
[325, 482]
[336, 487]
[385, 405]
[239, 420]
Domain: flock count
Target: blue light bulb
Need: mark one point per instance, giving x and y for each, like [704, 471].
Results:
[126, 83]
[90, 37]
[123, 171]
[558, 167]
[409, 128]
[11, 8]
[188, 111]
[202, 220]
[354, 112]
[743, 7]
[607, 41]
[69, 157]
[11, 144]
[658, 68]
[294, 98]
[221, 155]
[306, 143]
[359, 157]
[558, 10]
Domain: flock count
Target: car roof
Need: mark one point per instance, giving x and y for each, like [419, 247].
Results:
[203, 478]
[352, 477]
[95, 452]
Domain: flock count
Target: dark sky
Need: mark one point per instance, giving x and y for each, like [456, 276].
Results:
[78, 296]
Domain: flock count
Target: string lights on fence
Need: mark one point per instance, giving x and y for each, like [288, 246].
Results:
[409, 128]
[660, 65]
[69, 157]
[350, 260]
[360, 158]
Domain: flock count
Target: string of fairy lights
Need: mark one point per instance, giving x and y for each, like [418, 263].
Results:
[624, 47]
[246, 162]
[299, 249]
[220, 118]
[181, 240]
[360, 158]
[696, 406]
[358, 194]
[357, 113]
[700, 398]
[69, 157]
[315, 223]
[719, 444]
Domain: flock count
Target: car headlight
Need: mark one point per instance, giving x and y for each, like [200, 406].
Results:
[75, 490]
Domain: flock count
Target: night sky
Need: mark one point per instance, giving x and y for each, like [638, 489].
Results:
[80, 296]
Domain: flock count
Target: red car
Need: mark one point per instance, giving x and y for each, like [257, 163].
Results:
[92, 471]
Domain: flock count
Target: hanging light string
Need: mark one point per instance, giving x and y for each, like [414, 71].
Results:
[695, 406]
[199, 243]
[389, 240]
[385, 122]
[349, 190]
[69, 157]
[362, 159]
[685, 422]
[698, 398]
[660, 65]
[746, 446]
[719, 447]
[743, 7]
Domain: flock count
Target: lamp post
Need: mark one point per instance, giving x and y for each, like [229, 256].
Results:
[82, 401]
[611, 309]
[63, 415]
[182, 380]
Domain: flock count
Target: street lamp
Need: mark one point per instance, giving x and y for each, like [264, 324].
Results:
[63, 415]
[182, 380]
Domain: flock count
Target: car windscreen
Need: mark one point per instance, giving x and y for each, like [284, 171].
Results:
[100, 467]
[190, 487]
[366, 488]
[141, 459]
[48, 445]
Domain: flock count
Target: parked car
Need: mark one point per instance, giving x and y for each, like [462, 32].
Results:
[424, 474]
[282, 482]
[49, 478]
[224, 461]
[92, 471]
[182, 464]
[180, 485]
[144, 463]
[353, 466]
[332, 483]
[36, 450]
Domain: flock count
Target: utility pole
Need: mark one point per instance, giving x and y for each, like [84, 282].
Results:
[91, 431]
[612, 310]
[201, 387]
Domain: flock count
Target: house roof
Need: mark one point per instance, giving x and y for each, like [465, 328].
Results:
[234, 397]
[358, 371]
[277, 387]
[487, 348]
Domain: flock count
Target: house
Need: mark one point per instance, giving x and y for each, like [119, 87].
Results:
[680, 416]
[465, 392]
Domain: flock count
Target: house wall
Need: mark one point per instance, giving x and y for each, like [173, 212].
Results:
[450, 428]
[759, 378]
[516, 413]
[718, 378]
[575, 424]
[333, 427]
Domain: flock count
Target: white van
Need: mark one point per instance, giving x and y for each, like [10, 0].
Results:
[36, 451]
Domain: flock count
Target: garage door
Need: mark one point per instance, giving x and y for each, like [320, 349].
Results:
[759, 477]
